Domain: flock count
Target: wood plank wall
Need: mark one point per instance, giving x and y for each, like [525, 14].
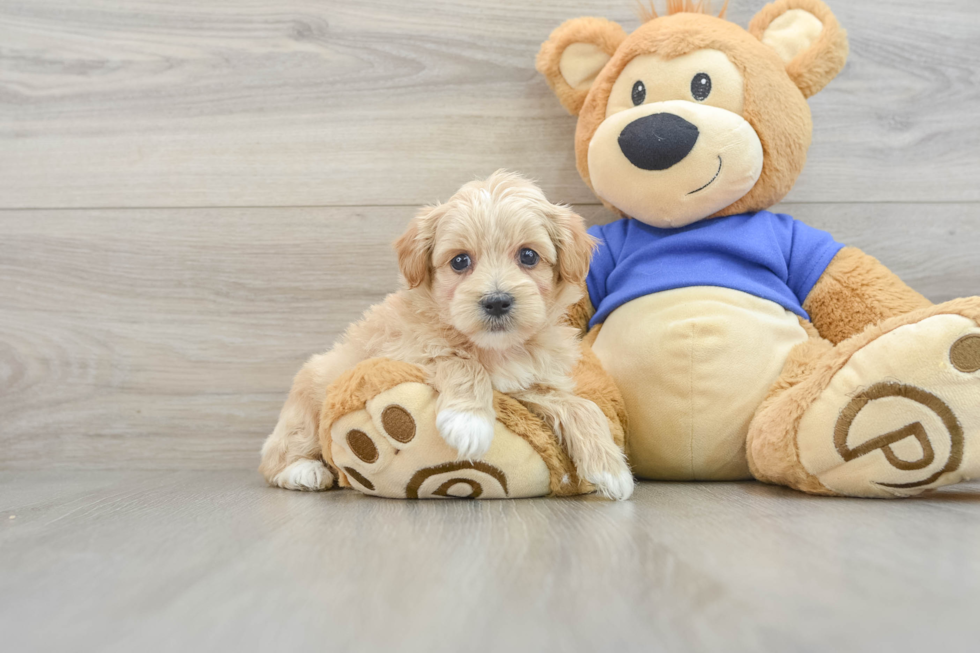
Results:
[196, 195]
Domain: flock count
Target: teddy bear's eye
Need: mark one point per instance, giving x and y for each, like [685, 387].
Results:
[461, 263]
[701, 87]
[639, 94]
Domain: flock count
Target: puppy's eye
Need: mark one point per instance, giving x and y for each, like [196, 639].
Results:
[528, 257]
[461, 263]
[639, 93]
[701, 87]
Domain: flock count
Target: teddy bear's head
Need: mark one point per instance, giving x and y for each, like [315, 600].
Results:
[691, 116]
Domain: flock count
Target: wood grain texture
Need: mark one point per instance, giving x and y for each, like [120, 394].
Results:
[168, 338]
[311, 102]
[214, 561]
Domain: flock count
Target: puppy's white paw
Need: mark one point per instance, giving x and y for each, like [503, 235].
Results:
[608, 472]
[467, 433]
[618, 486]
[307, 475]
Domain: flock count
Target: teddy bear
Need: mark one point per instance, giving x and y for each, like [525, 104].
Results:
[745, 343]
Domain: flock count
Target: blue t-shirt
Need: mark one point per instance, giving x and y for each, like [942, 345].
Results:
[765, 254]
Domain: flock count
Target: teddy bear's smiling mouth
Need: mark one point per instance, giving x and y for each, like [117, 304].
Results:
[712, 179]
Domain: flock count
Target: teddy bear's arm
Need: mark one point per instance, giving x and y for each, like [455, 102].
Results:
[579, 314]
[856, 291]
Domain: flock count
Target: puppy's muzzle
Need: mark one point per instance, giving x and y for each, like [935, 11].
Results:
[497, 305]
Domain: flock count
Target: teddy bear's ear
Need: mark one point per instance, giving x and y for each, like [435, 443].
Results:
[807, 37]
[574, 54]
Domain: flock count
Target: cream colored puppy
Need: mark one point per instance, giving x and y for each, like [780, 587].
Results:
[489, 275]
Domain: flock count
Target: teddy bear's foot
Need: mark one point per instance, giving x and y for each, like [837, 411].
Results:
[901, 413]
[379, 430]
[392, 447]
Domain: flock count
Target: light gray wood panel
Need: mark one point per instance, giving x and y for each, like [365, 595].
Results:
[168, 338]
[159, 336]
[306, 102]
[216, 562]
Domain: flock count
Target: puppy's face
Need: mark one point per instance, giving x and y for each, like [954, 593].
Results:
[499, 260]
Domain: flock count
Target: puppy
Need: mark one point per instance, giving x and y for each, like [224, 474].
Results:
[488, 276]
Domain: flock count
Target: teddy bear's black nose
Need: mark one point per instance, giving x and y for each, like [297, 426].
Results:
[658, 142]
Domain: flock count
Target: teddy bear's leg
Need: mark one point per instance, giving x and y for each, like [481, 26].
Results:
[379, 431]
[891, 412]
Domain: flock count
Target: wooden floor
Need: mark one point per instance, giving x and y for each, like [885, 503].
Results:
[195, 195]
[215, 561]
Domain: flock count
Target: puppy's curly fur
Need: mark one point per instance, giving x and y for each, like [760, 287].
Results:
[457, 259]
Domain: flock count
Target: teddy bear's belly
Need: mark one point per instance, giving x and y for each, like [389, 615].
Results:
[693, 365]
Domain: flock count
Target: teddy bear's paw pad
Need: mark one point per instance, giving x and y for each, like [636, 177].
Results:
[398, 424]
[965, 354]
[393, 448]
[362, 450]
[458, 480]
[902, 415]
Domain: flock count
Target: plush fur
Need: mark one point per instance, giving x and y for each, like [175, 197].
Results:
[604, 34]
[649, 12]
[815, 67]
[855, 291]
[440, 322]
[579, 314]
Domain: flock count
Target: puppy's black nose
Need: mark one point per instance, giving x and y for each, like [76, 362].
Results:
[498, 304]
[658, 142]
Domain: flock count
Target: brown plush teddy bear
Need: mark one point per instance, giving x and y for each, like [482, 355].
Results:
[747, 344]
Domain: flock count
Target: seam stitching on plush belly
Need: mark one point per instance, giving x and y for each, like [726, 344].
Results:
[694, 329]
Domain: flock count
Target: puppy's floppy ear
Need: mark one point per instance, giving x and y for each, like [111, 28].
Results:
[415, 246]
[807, 37]
[574, 54]
[573, 242]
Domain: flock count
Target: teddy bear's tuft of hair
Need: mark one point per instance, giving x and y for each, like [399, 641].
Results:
[648, 12]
